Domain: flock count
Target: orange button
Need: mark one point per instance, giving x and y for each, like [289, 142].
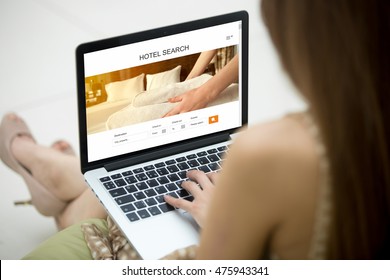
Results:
[213, 119]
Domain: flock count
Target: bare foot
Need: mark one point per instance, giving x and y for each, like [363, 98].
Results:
[59, 145]
[56, 168]
[64, 147]
[20, 140]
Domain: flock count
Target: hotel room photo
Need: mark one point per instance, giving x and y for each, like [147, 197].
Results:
[141, 93]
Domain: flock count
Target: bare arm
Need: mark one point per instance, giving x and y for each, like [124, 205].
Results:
[234, 215]
[241, 216]
[201, 64]
[264, 197]
[198, 98]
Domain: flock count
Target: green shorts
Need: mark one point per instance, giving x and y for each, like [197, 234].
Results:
[68, 244]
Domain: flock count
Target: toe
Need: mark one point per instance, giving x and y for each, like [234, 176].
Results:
[63, 147]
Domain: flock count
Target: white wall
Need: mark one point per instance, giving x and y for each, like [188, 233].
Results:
[38, 81]
[39, 50]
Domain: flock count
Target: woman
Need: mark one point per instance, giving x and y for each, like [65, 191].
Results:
[336, 53]
[317, 184]
[299, 194]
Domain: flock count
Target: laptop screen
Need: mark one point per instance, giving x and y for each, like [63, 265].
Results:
[160, 87]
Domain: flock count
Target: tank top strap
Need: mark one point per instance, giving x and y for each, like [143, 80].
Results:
[324, 203]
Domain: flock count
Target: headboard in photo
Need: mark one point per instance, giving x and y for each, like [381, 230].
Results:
[143, 77]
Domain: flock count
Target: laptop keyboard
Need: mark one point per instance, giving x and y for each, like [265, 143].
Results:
[140, 192]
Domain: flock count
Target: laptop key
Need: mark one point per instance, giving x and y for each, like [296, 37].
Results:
[165, 207]
[138, 170]
[154, 210]
[152, 183]
[143, 214]
[120, 182]
[162, 171]
[139, 195]
[152, 174]
[109, 185]
[131, 180]
[170, 162]
[141, 186]
[173, 194]
[160, 164]
[214, 166]
[171, 187]
[125, 199]
[203, 160]
[150, 201]
[222, 148]
[213, 158]
[163, 180]
[140, 204]
[212, 151]
[201, 154]
[183, 166]
[179, 183]
[189, 198]
[160, 190]
[116, 176]
[182, 174]
[221, 155]
[192, 156]
[204, 168]
[128, 208]
[150, 192]
[180, 159]
[132, 217]
[159, 199]
[173, 177]
[105, 179]
[182, 193]
[131, 189]
[117, 192]
[193, 163]
[173, 168]
[127, 173]
[141, 177]
[149, 167]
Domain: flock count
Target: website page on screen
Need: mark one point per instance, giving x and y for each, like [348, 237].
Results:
[136, 94]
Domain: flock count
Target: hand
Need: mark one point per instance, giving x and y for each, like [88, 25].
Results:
[201, 186]
[189, 101]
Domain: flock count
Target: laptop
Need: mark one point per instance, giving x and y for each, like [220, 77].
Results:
[133, 151]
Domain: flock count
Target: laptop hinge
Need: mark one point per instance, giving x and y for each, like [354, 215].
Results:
[178, 148]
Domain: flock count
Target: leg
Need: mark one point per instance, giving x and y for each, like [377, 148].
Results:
[83, 207]
[52, 175]
[57, 171]
[58, 168]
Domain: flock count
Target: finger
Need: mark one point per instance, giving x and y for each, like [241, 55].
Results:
[174, 111]
[200, 177]
[213, 177]
[175, 99]
[179, 203]
[192, 187]
[170, 113]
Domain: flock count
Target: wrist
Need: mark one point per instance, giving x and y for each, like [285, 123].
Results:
[208, 92]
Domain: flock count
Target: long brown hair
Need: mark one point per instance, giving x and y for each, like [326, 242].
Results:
[337, 53]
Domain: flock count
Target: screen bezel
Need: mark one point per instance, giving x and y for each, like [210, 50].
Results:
[144, 36]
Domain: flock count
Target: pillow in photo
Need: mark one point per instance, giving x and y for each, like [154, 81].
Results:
[125, 89]
[164, 78]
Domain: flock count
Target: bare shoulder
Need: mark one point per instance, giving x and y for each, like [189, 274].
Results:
[280, 140]
[278, 159]
[269, 177]
[276, 163]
